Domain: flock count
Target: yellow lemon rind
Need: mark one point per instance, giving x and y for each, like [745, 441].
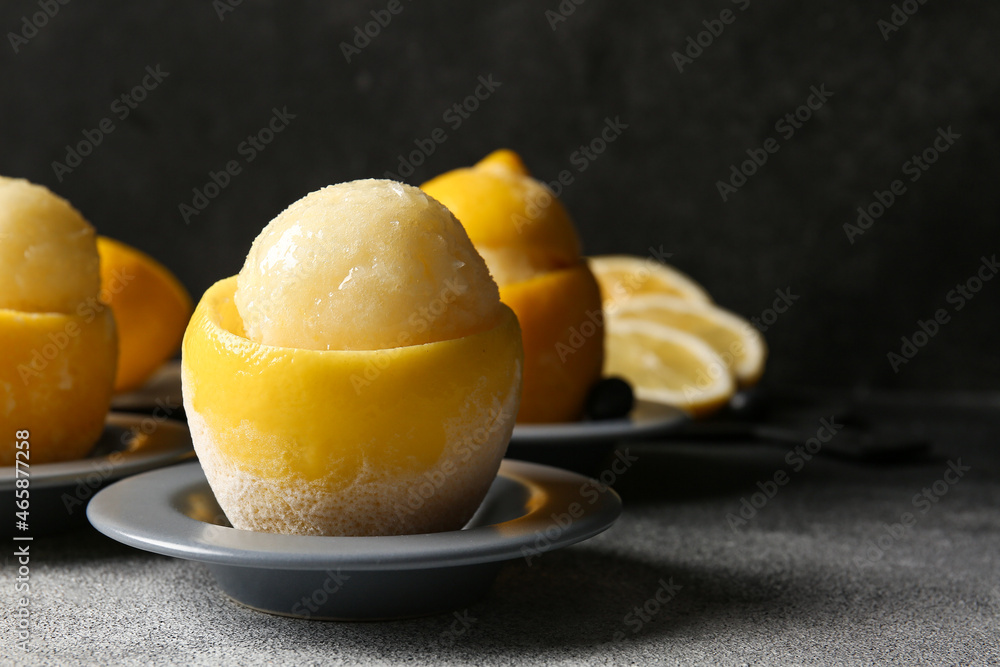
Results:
[151, 307]
[56, 380]
[405, 440]
[563, 328]
[502, 209]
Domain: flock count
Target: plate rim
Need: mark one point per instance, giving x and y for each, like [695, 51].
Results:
[578, 432]
[51, 475]
[190, 539]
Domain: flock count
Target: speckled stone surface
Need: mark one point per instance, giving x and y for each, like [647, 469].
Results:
[809, 580]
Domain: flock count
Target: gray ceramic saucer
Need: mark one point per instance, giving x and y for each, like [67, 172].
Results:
[646, 419]
[129, 444]
[162, 390]
[529, 510]
[586, 446]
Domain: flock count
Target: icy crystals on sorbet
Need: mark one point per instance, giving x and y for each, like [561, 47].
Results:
[364, 265]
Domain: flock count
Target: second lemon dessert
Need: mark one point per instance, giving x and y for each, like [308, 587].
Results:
[58, 340]
[528, 240]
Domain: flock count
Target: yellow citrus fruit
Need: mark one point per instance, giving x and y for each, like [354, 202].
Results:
[58, 340]
[504, 161]
[563, 334]
[533, 252]
[509, 216]
[667, 365]
[738, 343]
[150, 305]
[622, 277]
[56, 380]
[347, 442]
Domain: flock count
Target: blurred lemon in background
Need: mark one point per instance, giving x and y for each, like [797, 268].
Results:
[533, 252]
[150, 305]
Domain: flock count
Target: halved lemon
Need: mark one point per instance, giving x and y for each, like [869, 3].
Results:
[563, 332]
[151, 308]
[527, 238]
[667, 365]
[738, 343]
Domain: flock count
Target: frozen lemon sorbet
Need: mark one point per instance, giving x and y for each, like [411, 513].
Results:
[58, 340]
[359, 376]
[47, 251]
[532, 249]
[365, 265]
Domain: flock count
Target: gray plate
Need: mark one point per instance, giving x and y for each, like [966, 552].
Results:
[59, 491]
[645, 419]
[529, 510]
[162, 390]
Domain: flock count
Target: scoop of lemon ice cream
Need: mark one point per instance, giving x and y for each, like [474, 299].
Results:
[364, 265]
[47, 250]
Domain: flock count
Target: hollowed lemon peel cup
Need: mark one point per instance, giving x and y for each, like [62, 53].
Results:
[56, 380]
[347, 442]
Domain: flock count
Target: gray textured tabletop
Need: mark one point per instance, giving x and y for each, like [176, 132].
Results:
[821, 574]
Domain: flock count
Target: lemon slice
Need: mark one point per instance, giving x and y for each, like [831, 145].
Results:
[667, 365]
[623, 277]
[738, 343]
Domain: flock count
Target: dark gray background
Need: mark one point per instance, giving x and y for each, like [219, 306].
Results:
[654, 186]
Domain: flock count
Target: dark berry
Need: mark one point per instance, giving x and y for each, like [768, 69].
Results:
[610, 398]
